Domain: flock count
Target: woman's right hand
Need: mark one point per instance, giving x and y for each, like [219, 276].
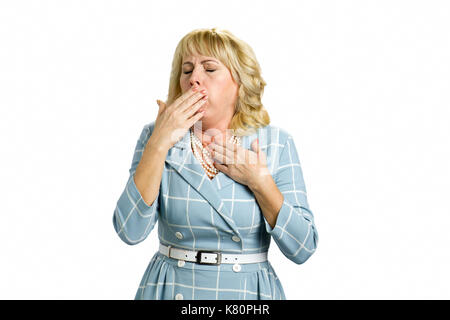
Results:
[173, 121]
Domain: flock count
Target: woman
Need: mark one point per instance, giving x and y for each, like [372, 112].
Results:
[218, 178]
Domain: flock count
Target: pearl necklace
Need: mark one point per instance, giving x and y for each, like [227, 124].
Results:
[205, 156]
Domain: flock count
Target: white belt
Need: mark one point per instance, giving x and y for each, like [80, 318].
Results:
[211, 257]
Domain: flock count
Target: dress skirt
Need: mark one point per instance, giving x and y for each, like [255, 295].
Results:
[167, 278]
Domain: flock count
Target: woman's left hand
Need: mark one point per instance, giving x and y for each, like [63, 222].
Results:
[248, 167]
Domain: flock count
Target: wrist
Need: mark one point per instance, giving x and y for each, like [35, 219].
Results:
[260, 181]
[158, 145]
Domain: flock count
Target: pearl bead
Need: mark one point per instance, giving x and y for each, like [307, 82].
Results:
[206, 161]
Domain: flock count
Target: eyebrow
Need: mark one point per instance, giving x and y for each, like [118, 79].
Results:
[188, 62]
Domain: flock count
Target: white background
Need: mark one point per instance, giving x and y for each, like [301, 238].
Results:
[363, 86]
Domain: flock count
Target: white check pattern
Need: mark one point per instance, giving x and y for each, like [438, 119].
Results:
[196, 213]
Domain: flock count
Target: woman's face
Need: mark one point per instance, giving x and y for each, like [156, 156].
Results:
[210, 74]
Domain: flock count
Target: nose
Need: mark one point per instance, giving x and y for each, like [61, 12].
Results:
[194, 83]
[196, 78]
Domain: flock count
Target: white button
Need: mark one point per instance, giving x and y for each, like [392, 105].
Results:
[179, 296]
[235, 238]
[179, 235]
[181, 263]
[236, 267]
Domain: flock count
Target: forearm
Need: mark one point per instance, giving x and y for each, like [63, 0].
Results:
[269, 198]
[149, 171]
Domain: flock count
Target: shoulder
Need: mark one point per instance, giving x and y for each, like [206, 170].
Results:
[272, 141]
[146, 131]
[273, 135]
[149, 126]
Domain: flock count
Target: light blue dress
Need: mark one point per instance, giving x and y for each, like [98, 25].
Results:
[196, 213]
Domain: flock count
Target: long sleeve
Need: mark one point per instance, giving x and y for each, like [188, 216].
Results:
[133, 219]
[295, 232]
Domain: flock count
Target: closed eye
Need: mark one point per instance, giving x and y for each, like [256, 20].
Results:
[187, 72]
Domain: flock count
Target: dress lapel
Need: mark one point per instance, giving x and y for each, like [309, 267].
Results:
[182, 159]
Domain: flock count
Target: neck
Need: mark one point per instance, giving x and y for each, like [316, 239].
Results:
[205, 133]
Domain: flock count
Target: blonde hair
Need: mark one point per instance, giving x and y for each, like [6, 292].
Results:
[240, 59]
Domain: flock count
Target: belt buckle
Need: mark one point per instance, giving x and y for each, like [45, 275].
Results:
[199, 257]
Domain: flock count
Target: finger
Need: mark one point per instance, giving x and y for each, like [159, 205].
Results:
[193, 108]
[184, 96]
[221, 167]
[161, 105]
[231, 149]
[195, 118]
[220, 153]
[255, 148]
[186, 104]
[226, 147]
[262, 158]
[252, 157]
[225, 141]
[220, 158]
